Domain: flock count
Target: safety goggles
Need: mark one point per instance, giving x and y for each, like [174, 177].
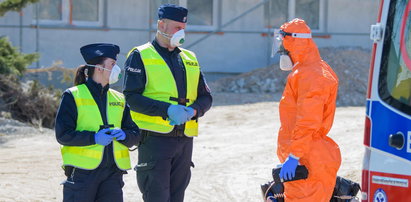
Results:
[279, 35]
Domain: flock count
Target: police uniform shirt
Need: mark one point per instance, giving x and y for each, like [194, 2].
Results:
[135, 82]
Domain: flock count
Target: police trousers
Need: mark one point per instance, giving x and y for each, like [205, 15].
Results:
[163, 169]
[101, 184]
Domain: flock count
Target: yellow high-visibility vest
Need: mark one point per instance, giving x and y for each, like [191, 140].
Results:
[160, 85]
[89, 119]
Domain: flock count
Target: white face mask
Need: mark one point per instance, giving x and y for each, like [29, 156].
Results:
[115, 73]
[285, 63]
[177, 39]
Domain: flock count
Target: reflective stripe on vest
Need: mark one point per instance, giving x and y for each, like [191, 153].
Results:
[160, 85]
[89, 119]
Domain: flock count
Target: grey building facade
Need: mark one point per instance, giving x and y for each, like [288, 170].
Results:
[228, 36]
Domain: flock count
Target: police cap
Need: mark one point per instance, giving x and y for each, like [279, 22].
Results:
[173, 12]
[92, 51]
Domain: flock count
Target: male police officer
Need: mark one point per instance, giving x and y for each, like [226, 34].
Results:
[166, 93]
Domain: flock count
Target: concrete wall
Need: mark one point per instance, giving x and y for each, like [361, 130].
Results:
[347, 23]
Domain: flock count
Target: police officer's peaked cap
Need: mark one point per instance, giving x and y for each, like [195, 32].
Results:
[92, 51]
[173, 12]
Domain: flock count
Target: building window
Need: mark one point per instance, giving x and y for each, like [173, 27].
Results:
[49, 10]
[202, 14]
[85, 10]
[279, 11]
[73, 12]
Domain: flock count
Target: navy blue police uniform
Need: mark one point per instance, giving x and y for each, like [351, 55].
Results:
[164, 160]
[105, 182]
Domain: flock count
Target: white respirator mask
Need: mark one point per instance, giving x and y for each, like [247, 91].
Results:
[177, 39]
[285, 63]
[115, 73]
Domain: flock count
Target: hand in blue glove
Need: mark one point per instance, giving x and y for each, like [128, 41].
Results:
[177, 114]
[172, 123]
[191, 112]
[288, 170]
[102, 138]
[118, 134]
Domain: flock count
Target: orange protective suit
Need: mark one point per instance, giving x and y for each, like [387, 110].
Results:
[307, 110]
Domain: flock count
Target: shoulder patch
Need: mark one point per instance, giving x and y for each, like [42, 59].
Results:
[131, 69]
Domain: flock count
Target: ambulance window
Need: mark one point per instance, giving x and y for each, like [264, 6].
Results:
[395, 76]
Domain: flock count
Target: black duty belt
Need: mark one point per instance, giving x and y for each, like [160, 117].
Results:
[180, 101]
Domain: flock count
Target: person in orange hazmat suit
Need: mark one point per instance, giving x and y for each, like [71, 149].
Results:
[307, 109]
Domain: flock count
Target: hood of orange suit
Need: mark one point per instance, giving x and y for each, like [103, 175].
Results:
[301, 50]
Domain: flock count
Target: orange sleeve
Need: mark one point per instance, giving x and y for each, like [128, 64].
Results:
[312, 94]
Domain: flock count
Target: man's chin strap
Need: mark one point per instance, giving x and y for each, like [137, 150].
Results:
[168, 36]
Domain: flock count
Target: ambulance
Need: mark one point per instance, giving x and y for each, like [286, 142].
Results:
[386, 173]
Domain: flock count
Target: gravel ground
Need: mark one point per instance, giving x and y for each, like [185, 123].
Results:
[11, 129]
[233, 155]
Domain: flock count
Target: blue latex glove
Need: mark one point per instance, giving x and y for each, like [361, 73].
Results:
[102, 138]
[288, 170]
[118, 134]
[177, 114]
[172, 123]
[190, 111]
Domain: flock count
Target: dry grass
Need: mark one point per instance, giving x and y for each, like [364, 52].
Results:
[36, 104]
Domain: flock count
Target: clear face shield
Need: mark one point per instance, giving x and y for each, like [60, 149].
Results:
[278, 37]
[277, 41]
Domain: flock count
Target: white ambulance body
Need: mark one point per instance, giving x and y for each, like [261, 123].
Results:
[386, 174]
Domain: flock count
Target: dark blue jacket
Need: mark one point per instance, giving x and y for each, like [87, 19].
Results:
[135, 82]
[66, 120]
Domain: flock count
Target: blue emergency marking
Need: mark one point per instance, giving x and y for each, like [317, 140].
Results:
[384, 122]
[380, 196]
[367, 109]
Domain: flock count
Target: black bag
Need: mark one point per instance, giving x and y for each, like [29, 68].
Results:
[273, 191]
[344, 189]
[301, 172]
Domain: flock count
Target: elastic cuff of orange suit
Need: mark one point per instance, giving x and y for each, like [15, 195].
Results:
[295, 157]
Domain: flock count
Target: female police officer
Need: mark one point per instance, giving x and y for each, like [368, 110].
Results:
[94, 126]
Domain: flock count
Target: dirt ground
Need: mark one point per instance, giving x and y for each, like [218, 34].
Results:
[233, 155]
